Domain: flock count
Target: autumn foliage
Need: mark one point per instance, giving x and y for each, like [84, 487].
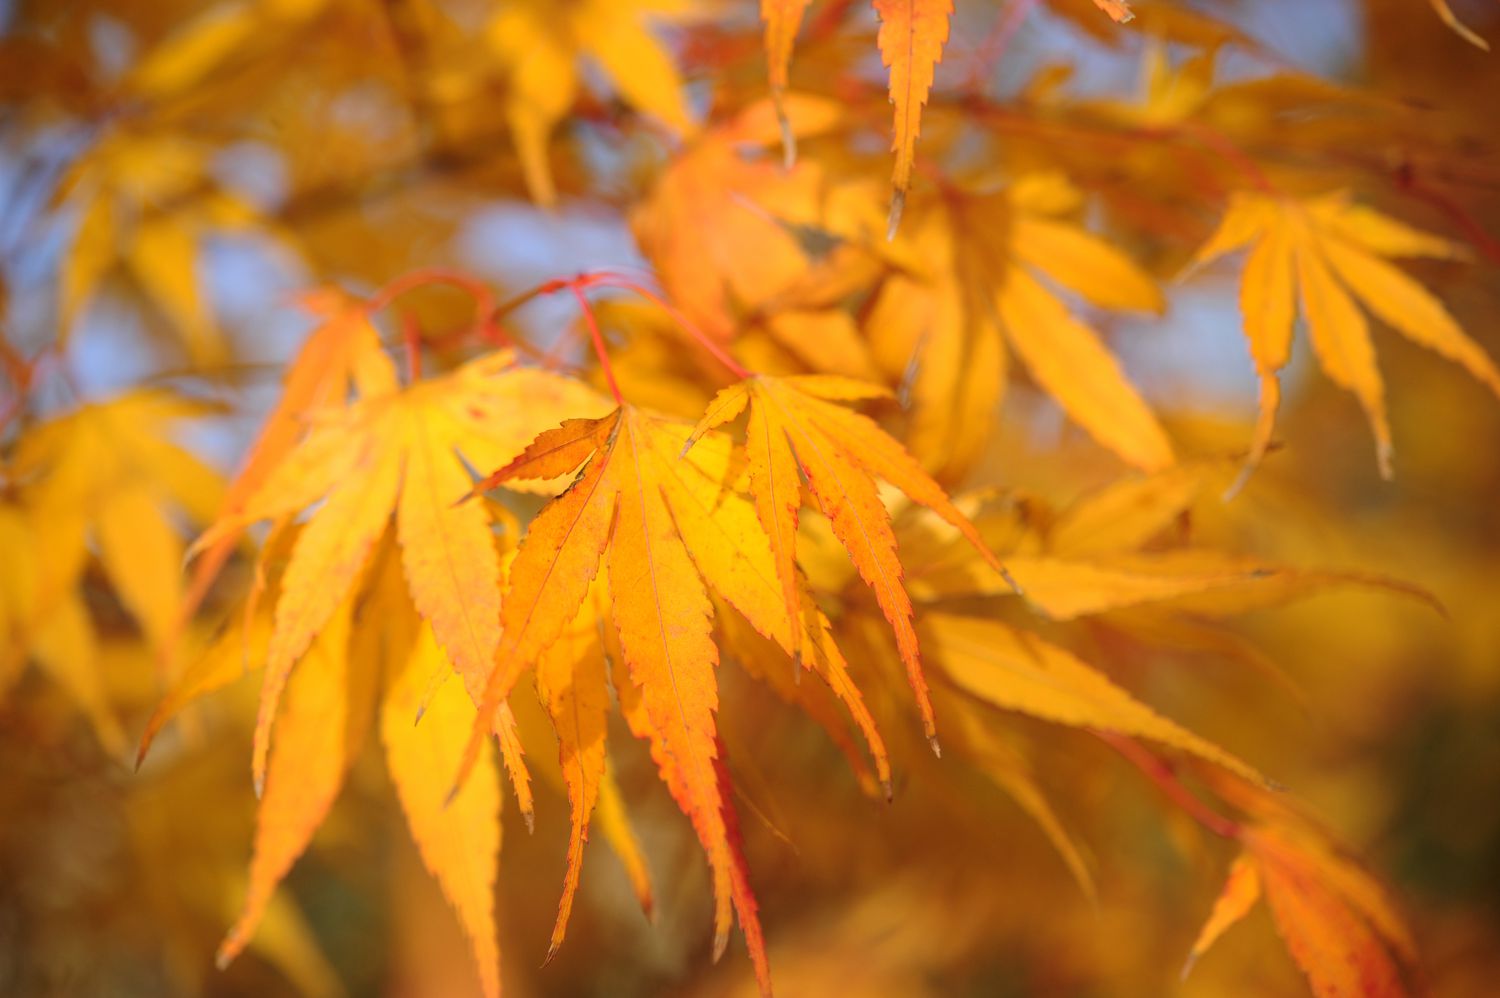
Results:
[888, 484]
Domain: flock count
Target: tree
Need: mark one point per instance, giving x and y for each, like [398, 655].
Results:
[763, 426]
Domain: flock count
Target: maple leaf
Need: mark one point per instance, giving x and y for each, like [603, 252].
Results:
[323, 720]
[397, 450]
[782, 19]
[459, 839]
[1016, 670]
[617, 511]
[1329, 255]
[793, 427]
[343, 352]
[668, 527]
[971, 286]
[204, 44]
[106, 473]
[911, 39]
[721, 228]
[538, 45]
[571, 684]
[147, 201]
[373, 648]
[983, 745]
[1335, 918]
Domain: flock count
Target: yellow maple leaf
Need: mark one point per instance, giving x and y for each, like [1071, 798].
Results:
[794, 429]
[1322, 258]
[971, 287]
[106, 477]
[398, 450]
[144, 203]
[539, 45]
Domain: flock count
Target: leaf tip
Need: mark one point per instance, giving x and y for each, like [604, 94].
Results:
[893, 221]
[788, 138]
[721, 943]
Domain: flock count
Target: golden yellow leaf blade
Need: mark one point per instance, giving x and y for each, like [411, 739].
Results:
[726, 405]
[448, 553]
[615, 825]
[63, 643]
[306, 770]
[1068, 589]
[1337, 217]
[570, 681]
[230, 657]
[849, 498]
[1068, 361]
[776, 487]
[164, 257]
[727, 544]
[316, 378]
[1341, 338]
[662, 617]
[142, 555]
[1267, 294]
[326, 559]
[881, 455]
[458, 836]
[1088, 265]
[1410, 309]
[186, 56]
[88, 261]
[1126, 514]
[556, 561]
[1246, 219]
[637, 64]
[1014, 670]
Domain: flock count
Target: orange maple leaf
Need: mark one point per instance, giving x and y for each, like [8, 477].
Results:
[911, 39]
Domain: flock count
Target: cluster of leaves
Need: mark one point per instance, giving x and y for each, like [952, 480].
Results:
[779, 453]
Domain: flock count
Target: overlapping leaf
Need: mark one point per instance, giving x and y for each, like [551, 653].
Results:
[971, 292]
[399, 451]
[617, 512]
[795, 429]
[145, 203]
[1336, 920]
[538, 46]
[105, 478]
